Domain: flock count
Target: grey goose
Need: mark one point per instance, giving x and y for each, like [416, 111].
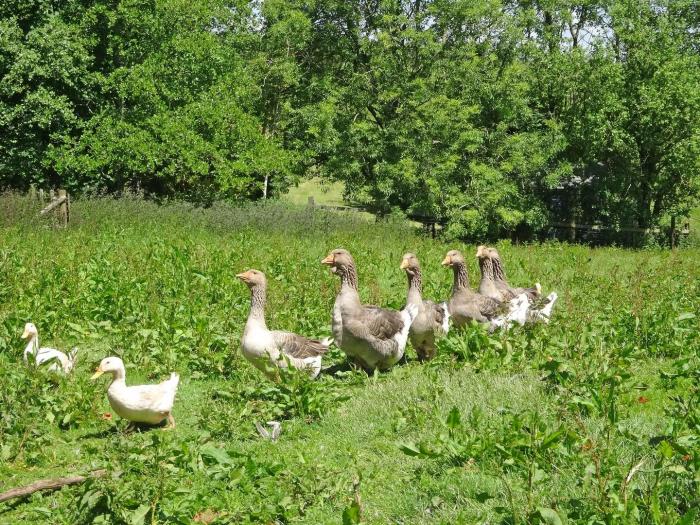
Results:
[372, 337]
[432, 319]
[465, 305]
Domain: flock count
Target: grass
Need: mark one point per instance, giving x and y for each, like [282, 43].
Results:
[533, 426]
[694, 222]
[323, 192]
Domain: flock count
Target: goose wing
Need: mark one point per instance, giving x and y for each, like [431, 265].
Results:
[299, 346]
[475, 306]
[438, 314]
[381, 323]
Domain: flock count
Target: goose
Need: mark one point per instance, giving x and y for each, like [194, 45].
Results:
[518, 313]
[374, 337]
[142, 403]
[540, 308]
[432, 318]
[263, 347]
[543, 313]
[487, 284]
[499, 276]
[465, 304]
[61, 362]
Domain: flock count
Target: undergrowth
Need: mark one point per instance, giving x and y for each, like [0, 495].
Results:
[594, 418]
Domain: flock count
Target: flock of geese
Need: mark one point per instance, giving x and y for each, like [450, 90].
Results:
[372, 337]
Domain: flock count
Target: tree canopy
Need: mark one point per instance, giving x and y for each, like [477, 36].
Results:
[494, 116]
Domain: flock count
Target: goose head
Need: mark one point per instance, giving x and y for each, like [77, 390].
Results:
[410, 264]
[253, 278]
[482, 252]
[453, 258]
[339, 260]
[109, 365]
[30, 331]
[493, 253]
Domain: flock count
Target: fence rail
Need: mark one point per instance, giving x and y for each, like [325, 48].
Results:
[59, 204]
[588, 230]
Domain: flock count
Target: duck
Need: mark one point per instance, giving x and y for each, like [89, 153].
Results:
[263, 347]
[374, 338]
[151, 404]
[466, 305]
[60, 361]
[491, 255]
[432, 319]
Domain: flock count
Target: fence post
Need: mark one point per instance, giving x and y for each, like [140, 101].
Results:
[63, 208]
[673, 232]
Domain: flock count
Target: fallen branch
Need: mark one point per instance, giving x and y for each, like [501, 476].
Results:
[48, 484]
[54, 204]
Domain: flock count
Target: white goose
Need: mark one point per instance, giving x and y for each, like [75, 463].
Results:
[61, 362]
[267, 349]
[141, 403]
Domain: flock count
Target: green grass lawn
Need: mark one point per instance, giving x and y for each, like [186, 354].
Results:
[594, 418]
[323, 192]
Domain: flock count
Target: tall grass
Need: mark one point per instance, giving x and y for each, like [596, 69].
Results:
[530, 426]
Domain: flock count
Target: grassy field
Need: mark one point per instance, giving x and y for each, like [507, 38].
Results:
[328, 193]
[594, 418]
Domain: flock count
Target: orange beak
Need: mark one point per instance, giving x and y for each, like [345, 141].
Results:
[330, 259]
[447, 261]
[242, 276]
[404, 264]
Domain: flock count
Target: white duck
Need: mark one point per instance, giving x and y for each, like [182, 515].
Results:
[141, 403]
[61, 361]
[263, 347]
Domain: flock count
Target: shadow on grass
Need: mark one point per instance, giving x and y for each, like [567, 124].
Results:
[119, 429]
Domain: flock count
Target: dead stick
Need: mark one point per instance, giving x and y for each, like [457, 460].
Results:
[48, 484]
[56, 202]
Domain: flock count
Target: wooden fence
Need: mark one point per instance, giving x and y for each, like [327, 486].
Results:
[58, 203]
[429, 223]
[591, 233]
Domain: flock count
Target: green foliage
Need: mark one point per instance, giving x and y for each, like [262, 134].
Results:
[496, 118]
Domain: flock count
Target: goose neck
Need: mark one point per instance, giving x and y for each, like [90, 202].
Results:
[348, 278]
[498, 270]
[258, 296]
[486, 267]
[32, 346]
[461, 279]
[415, 287]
